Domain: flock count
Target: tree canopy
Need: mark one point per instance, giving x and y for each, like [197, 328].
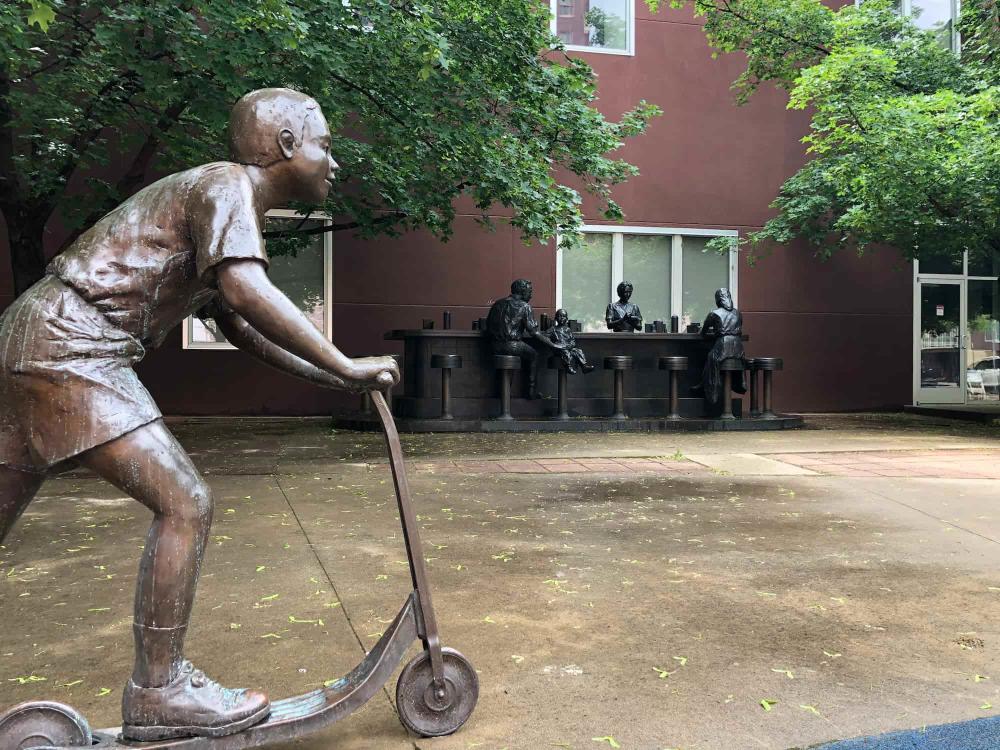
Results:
[905, 133]
[429, 101]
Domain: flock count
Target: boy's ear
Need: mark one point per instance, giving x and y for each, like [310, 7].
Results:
[286, 142]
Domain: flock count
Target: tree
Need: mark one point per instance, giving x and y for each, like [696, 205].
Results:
[905, 134]
[429, 100]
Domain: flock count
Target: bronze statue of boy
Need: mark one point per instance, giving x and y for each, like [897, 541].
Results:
[191, 241]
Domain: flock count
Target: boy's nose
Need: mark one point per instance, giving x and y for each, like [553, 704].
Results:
[333, 166]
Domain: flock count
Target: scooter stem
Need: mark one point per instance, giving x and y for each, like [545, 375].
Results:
[411, 536]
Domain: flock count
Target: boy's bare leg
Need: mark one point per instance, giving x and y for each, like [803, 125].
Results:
[165, 691]
[17, 488]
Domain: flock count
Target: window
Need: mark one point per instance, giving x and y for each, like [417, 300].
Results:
[940, 16]
[595, 25]
[305, 277]
[672, 270]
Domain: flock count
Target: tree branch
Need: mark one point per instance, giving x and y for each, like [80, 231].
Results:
[332, 227]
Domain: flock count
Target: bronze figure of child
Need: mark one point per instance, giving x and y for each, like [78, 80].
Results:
[562, 338]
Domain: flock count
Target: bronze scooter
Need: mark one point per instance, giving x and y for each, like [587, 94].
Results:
[435, 693]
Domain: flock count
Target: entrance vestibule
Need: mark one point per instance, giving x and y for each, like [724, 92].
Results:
[956, 352]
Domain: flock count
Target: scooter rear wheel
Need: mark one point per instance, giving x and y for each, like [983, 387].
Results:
[428, 712]
[43, 725]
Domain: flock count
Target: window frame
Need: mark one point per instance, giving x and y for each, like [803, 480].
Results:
[677, 235]
[279, 213]
[629, 50]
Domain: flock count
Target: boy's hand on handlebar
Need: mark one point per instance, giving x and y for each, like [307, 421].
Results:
[374, 373]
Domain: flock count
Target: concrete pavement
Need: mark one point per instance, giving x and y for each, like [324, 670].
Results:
[631, 590]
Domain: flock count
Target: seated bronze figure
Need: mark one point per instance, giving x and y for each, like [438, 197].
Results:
[724, 327]
[191, 241]
[563, 339]
[511, 325]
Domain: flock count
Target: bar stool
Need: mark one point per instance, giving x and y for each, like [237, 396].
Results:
[557, 363]
[727, 367]
[751, 368]
[673, 365]
[506, 363]
[619, 364]
[768, 365]
[446, 363]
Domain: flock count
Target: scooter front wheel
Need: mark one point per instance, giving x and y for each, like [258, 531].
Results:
[43, 724]
[432, 712]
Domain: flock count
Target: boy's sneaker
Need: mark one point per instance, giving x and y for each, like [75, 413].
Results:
[193, 705]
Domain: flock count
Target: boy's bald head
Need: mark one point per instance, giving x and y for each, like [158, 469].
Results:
[259, 117]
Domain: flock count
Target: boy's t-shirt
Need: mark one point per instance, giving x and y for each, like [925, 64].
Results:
[151, 262]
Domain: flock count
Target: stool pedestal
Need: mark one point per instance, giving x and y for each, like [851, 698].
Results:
[446, 363]
[727, 367]
[674, 366]
[619, 364]
[768, 365]
[562, 375]
[506, 364]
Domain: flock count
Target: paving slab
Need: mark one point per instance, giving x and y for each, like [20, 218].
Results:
[749, 464]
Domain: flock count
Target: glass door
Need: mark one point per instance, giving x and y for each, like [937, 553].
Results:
[940, 354]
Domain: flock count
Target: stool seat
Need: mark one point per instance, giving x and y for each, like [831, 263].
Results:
[673, 363]
[557, 363]
[619, 362]
[506, 362]
[731, 364]
[446, 361]
[768, 363]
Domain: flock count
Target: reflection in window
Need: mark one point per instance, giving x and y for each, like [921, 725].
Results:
[594, 24]
[301, 276]
[940, 16]
[586, 280]
[705, 271]
[647, 265]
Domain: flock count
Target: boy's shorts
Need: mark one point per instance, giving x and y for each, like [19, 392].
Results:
[66, 379]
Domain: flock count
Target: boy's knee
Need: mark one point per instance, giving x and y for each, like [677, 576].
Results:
[197, 508]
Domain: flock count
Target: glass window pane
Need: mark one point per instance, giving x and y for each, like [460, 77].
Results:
[703, 271]
[941, 264]
[586, 281]
[983, 377]
[593, 23]
[647, 266]
[984, 261]
[940, 348]
[204, 332]
[936, 15]
[300, 276]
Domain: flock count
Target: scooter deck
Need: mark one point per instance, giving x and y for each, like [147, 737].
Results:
[303, 714]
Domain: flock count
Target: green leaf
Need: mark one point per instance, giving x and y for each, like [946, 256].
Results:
[767, 704]
[41, 14]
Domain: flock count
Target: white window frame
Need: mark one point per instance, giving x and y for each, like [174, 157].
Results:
[280, 213]
[677, 235]
[629, 50]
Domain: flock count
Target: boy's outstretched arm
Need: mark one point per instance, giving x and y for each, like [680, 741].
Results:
[246, 288]
[242, 335]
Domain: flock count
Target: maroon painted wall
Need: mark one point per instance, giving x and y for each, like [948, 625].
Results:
[843, 327]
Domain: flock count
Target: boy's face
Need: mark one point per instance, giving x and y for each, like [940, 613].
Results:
[562, 317]
[311, 165]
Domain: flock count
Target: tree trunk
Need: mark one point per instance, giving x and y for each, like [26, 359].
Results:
[27, 259]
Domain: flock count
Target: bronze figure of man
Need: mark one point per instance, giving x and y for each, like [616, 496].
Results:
[511, 324]
[191, 241]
